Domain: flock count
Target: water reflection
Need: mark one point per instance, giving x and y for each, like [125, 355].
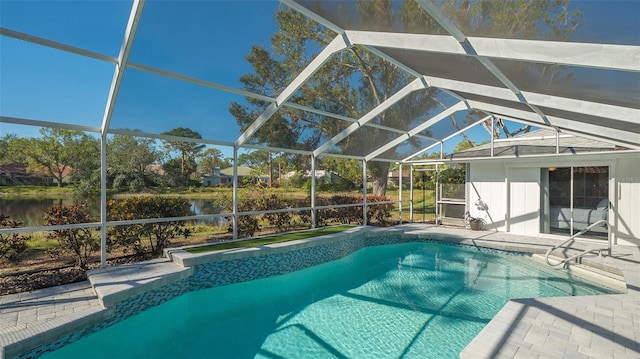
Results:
[30, 211]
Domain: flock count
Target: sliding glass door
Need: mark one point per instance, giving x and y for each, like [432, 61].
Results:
[573, 198]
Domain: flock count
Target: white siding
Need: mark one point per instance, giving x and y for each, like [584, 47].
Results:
[524, 200]
[487, 182]
[628, 201]
[519, 196]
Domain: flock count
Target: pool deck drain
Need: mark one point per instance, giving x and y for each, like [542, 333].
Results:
[603, 326]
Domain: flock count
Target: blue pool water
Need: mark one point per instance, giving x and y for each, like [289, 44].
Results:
[412, 300]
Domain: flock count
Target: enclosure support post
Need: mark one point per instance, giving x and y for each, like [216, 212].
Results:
[103, 200]
[234, 218]
[492, 135]
[437, 198]
[411, 194]
[364, 192]
[313, 191]
[400, 191]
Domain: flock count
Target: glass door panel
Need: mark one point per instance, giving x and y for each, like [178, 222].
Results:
[590, 198]
[572, 198]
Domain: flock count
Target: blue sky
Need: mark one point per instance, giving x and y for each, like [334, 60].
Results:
[203, 39]
[51, 85]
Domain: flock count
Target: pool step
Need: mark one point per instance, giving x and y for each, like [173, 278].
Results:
[608, 277]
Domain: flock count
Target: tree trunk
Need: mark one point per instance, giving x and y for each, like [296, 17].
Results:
[379, 177]
[58, 177]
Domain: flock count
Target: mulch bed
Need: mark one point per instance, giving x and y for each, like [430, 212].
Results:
[29, 280]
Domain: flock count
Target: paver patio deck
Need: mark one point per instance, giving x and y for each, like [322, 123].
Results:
[605, 326]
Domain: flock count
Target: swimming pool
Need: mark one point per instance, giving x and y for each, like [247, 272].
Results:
[417, 299]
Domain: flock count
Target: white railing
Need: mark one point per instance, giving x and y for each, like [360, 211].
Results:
[565, 261]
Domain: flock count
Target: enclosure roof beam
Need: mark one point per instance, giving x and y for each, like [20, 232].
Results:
[562, 103]
[470, 50]
[123, 58]
[614, 136]
[344, 118]
[200, 82]
[442, 19]
[135, 133]
[277, 149]
[56, 45]
[339, 155]
[313, 16]
[338, 44]
[602, 56]
[416, 84]
[423, 126]
[31, 122]
[446, 139]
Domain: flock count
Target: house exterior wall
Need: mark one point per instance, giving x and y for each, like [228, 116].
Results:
[627, 192]
[487, 184]
[511, 191]
[524, 200]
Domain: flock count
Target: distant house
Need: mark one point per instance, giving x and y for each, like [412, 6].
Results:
[17, 174]
[322, 176]
[217, 179]
[224, 177]
[394, 177]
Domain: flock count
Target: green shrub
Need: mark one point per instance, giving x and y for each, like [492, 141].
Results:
[14, 244]
[146, 237]
[379, 214]
[78, 242]
[280, 220]
[247, 225]
[346, 215]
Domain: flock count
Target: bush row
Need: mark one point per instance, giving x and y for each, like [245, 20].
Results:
[249, 225]
[153, 238]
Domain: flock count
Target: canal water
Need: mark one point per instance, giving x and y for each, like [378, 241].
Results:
[30, 210]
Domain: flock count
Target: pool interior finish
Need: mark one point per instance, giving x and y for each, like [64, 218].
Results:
[409, 300]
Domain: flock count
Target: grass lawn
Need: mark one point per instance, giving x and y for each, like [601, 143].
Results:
[278, 238]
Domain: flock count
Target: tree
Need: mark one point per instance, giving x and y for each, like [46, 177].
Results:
[13, 149]
[356, 81]
[187, 151]
[212, 158]
[85, 165]
[258, 160]
[5, 142]
[350, 169]
[60, 150]
[129, 159]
